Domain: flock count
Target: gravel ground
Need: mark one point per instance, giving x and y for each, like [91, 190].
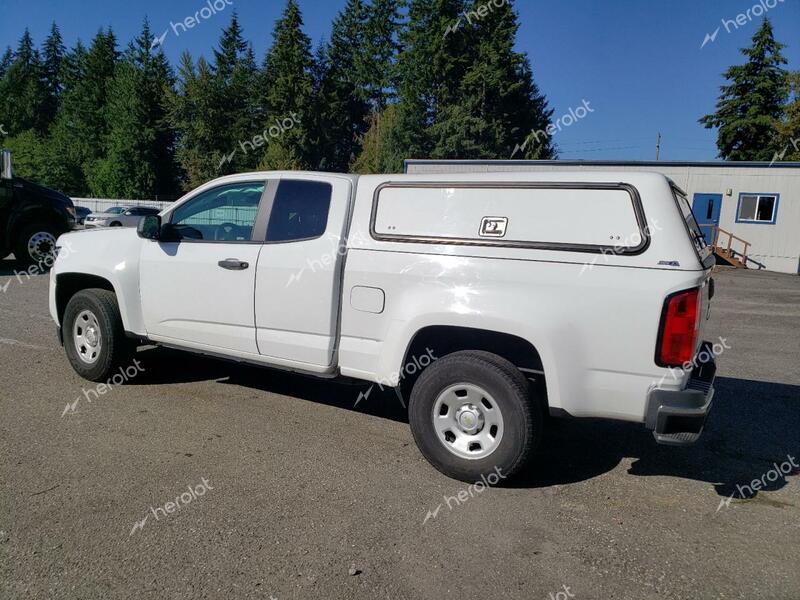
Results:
[297, 494]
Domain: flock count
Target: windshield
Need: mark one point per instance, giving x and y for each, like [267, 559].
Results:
[115, 210]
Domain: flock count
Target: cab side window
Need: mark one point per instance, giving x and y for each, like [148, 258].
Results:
[223, 214]
[300, 211]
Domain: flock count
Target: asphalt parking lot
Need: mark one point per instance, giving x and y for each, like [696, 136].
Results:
[281, 488]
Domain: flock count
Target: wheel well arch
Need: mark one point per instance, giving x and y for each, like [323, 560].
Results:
[23, 218]
[69, 284]
[441, 340]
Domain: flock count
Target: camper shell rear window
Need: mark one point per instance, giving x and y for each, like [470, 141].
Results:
[688, 216]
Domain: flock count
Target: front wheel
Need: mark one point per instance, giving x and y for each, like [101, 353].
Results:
[471, 414]
[94, 337]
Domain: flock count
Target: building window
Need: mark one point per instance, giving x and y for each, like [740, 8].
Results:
[757, 208]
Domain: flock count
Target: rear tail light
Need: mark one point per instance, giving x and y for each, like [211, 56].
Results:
[680, 324]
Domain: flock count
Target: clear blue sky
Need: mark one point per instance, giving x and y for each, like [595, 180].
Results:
[637, 63]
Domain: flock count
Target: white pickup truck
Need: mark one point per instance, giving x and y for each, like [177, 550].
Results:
[491, 301]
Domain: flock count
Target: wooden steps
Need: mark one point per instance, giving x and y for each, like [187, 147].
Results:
[728, 257]
[726, 254]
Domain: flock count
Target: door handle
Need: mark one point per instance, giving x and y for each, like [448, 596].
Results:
[233, 264]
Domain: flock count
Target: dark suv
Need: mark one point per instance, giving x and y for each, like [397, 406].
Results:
[31, 216]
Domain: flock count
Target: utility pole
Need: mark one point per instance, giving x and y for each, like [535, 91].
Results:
[658, 145]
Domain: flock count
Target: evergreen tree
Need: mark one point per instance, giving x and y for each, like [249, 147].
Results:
[94, 87]
[750, 107]
[498, 104]
[287, 84]
[317, 135]
[62, 163]
[80, 131]
[376, 155]
[433, 61]
[193, 115]
[74, 62]
[342, 106]
[53, 71]
[5, 61]
[215, 110]
[790, 130]
[381, 46]
[22, 91]
[138, 161]
[236, 100]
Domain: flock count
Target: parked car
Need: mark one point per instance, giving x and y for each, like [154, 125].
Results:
[81, 212]
[487, 300]
[31, 217]
[119, 216]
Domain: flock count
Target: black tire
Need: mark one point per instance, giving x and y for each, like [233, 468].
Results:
[115, 349]
[521, 416]
[116, 224]
[47, 231]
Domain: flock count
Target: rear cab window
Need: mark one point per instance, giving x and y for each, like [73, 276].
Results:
[300, 210]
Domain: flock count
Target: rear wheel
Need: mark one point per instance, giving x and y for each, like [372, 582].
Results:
[471, 414]
[94, 337]
[36, 244]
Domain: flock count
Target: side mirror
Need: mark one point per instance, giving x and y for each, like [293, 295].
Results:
[149, 227]
[170, 233]
[5, 165]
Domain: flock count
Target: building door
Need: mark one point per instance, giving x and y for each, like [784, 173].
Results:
[706, 209]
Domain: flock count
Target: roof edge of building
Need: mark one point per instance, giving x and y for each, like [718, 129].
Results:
[606, 163]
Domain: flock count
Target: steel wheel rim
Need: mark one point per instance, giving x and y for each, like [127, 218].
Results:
[41, 245]
[87, 337]
[468, 421]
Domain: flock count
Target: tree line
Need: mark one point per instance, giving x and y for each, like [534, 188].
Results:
[757, 115]
[397, 79]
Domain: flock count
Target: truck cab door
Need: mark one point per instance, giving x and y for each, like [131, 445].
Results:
[299, 271]
[197, 286]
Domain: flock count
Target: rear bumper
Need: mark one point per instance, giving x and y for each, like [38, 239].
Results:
[677, 417]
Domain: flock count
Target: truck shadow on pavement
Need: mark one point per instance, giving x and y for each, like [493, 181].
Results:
[752, 431]
[753, 427]
[10, 267]
[162, 365]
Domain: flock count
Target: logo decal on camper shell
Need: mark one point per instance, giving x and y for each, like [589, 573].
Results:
[493, 226]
